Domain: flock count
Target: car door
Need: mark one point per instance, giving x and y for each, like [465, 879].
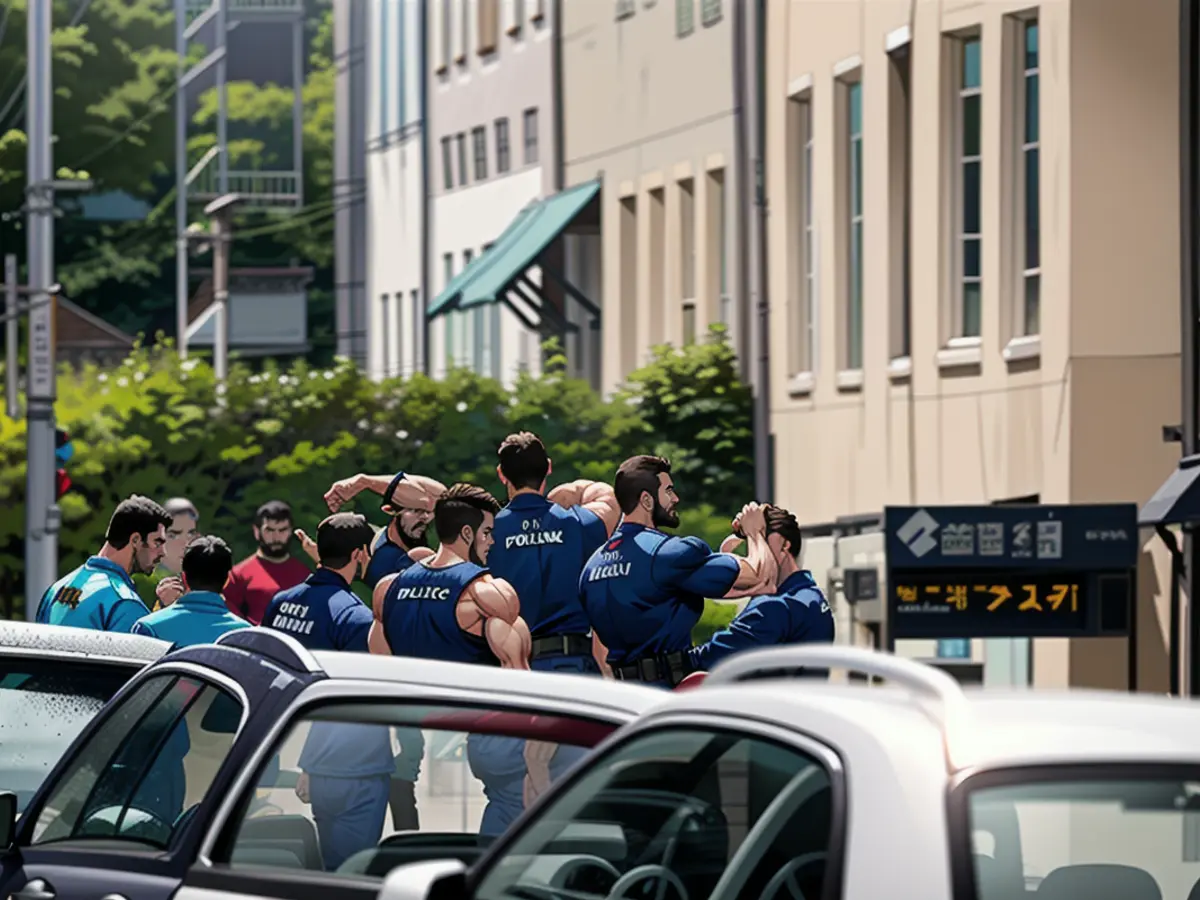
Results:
[680, 808]
[122, 813]
[389, 774]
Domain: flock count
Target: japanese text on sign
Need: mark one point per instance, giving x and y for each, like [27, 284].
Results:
[994, 597]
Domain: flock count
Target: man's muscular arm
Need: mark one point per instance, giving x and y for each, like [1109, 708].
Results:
[413, 491]
[596, 497]
[494, 605]
[376, 640]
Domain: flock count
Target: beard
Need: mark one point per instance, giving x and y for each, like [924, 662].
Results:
[474, 556]
[663, 517]
[142, 566]
[412, 539]
[273, 549]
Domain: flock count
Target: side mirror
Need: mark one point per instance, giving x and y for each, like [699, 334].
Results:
[8, 819]
[440, 879]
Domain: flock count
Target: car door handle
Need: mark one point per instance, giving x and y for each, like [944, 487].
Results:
[37, 889]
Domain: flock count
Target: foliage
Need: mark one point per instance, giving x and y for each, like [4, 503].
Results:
[159, 427]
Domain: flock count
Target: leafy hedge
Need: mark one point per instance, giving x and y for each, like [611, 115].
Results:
[155, 426]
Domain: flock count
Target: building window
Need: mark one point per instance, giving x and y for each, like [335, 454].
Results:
[968, 193]
[900, 185]
[531, 136]
[802, 274]
[447, 34]
[1029, 197]
[383, 304]
[464, 32]
[418, 316]
[460, 141]
[448, 322]
[503, 162]
[710, 12]
[479, 145]
[687, 257]
[626, 8]
[685, 17]
[383, 70]
[516, 16]
[854, 218]
[447, 164]
[489, 26]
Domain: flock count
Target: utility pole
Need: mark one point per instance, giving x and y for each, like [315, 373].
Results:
[12, 325]
[220, 210]
[41, 510]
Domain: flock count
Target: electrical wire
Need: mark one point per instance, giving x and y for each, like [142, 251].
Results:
[157, 110]
[19, 93]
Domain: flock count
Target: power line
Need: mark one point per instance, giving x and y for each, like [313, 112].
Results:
[19, 93]
[137, 123]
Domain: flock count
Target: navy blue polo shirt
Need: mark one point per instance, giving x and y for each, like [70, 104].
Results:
[644, 591]
[541, 549]
[387, 558]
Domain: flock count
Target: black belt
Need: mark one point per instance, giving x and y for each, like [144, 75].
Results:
[562, 645]
[669, 667]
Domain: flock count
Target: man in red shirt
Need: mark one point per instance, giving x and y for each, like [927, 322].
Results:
[256, 580]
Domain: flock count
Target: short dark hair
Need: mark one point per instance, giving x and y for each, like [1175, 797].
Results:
[462, 506]
[638, 475]
[340, 535]
[523, 460]
[178, 506]
[135, 515]
[783, 523]
[273, 511]
[207, 562]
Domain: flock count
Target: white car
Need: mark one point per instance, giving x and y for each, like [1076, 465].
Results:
[53, 681]
[796, 789]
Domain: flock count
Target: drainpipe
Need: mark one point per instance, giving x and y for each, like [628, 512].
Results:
[556, 101]
[742, 180]
[1189, 146]
[764, 440]
[426, 193]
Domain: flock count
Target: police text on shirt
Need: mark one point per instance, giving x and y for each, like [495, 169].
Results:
[293, 617]
[611, 566]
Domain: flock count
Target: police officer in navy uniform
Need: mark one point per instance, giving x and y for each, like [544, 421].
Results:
[541, 546]
[644, 590]
[450, 607]
[796, 612]
[100, 594]
[346, 768]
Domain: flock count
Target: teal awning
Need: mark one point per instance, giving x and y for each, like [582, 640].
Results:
[489, 275]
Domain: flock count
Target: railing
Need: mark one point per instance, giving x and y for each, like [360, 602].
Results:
[258, 188]
[233, 7]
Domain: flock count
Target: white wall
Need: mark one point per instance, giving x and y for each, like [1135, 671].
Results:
[468, 219]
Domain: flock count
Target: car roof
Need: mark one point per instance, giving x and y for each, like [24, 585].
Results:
[32, 638]
[975, 727]
[596, 692]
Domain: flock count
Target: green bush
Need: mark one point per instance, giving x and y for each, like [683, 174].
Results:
[156, 426]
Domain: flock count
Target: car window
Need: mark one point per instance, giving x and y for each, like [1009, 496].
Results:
[358, 789]
[148, 763]
[44, 704]
[678, 814]
[1135, 838]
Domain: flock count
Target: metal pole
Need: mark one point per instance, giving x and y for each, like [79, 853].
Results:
[222, 97]
[41, 512]
[764, 457]
[12, 328]
[220, 233]
[181, 186]
[298, 105]
[1189, 34]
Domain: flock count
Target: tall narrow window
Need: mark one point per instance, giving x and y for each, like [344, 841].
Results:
[383, 69]
[446, 35]
[710, 12]
[1030, 163]
[687, 257]
[801, 236]
[411, 363]
[464, 32]
[447, 164]
[479, 145]
[854, 217]
[489, 26]
[900, 192]
[503, 159]
[387, 333]
[460, 141]
[448, 322]
[531, 136]
[685, 17]
[969, 211]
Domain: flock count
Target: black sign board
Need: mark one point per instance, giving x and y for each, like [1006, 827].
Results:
[1011, 571]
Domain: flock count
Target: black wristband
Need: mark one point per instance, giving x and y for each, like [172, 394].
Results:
[391, 489]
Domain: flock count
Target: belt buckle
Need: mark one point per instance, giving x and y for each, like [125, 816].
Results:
[564, 642]
[648, 669]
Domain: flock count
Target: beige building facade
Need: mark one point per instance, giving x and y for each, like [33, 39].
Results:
[974, 244]
[649, 110]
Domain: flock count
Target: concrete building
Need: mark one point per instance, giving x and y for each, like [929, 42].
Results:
[351, 23]
[975, 274]
[652, 115]
[396, 197]
[492, 151]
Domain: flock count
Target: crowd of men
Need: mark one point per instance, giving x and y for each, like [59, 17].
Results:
[580, 579]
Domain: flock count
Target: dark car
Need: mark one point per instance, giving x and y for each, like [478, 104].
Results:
[53, 681]
[188, 783]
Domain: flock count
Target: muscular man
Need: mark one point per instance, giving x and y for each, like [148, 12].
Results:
[644, 590]
[408, 502]
[796, 612]
[449, 607]
[541, 546]
[100, 594]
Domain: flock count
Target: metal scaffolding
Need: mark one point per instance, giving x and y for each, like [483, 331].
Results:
[209, 23]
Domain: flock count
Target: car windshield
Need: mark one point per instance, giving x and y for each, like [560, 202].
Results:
[1137, 839]
[44, 704]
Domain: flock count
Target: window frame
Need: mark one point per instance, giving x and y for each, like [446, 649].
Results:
[479, 150]
[803, 291]
[685, 17]
[460, 146]
[960, 160]
[447, 162]
[900, 113]
[1023, 273]
[851, 229]
[825, 754]
[530, 136]
[503, 146]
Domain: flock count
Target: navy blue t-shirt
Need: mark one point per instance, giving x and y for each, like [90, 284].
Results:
[323, 614]
[387, 558]
[643, 591]
[420, 617]
[540, 550]
[797, 613]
